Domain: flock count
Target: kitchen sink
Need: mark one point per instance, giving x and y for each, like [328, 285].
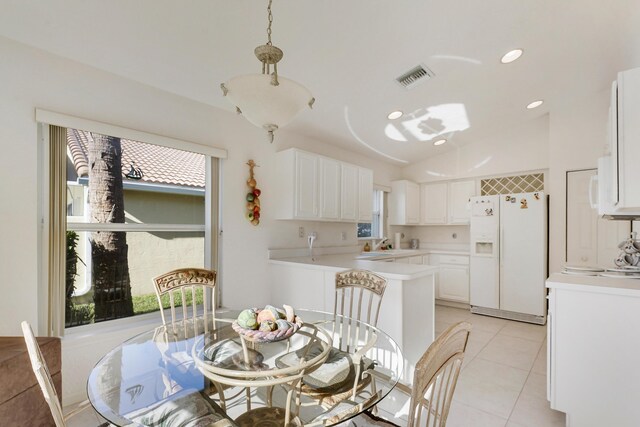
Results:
[385, 253]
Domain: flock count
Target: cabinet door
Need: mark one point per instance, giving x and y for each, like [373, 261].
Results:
[413, 203]
[329, 189]
[415, 260]
[349, 198]
[365, 194]
[459, 206]
[454, 283]
[306, 185]
[434, 203]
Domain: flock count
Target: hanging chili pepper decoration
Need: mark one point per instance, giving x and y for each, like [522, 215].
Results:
[253, 196]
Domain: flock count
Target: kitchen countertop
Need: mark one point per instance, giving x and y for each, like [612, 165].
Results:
[600, 284]
[402, 253]
[341, 262]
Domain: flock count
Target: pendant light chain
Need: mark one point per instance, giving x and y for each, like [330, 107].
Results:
[270, 17]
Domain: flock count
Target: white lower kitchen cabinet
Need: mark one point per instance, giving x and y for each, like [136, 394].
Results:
[452, 281]
[410, 260]
[593, 350]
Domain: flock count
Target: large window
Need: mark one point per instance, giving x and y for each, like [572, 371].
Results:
[134, 211]
[373, 229]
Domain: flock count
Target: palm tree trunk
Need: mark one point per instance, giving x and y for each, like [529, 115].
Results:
[109, 250]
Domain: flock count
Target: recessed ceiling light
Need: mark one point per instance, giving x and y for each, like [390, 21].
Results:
[535, 104]
[511, 56]
[394, 115]
[440, 142]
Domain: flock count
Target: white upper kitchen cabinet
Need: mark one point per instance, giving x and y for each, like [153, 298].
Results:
[404, 203]
[297, 185]
[460, 193]
[330, 185]
[433, 203]
[313, 187]
[365, 194]
[349, 194]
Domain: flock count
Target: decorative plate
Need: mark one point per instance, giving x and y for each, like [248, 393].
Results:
[271, 336]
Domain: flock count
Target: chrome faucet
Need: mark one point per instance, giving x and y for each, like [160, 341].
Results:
[380, 243]
[310, 239]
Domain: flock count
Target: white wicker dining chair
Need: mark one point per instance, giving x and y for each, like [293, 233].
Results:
[41, 371]
[358, 296]
[178, 283]
[434, 382]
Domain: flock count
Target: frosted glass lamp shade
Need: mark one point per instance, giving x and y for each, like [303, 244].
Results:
[264, 104]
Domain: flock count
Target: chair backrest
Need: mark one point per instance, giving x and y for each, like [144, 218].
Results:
[436, 375]
[42, 374]
[358, 296]
[186, 281]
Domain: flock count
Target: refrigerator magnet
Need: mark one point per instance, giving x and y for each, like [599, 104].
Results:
[523, 204]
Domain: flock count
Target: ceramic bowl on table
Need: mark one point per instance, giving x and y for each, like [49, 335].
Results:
[256, 335]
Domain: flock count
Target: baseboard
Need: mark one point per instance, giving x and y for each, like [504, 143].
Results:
[503, 314]
[453, 304]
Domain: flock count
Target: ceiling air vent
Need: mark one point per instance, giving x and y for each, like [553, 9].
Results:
[415, 76]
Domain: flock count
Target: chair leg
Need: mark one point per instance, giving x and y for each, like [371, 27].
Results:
[270, 396]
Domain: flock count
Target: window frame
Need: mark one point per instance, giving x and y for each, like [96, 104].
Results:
[51, 317]
[378, 201]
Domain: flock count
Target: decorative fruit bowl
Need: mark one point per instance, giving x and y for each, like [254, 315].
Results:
[267, 325]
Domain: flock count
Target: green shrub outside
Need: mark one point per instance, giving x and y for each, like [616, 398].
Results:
[141, 304]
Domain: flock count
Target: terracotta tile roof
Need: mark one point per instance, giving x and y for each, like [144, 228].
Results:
[159, 165]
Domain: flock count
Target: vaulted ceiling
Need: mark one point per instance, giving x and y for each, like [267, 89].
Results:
[348, 53]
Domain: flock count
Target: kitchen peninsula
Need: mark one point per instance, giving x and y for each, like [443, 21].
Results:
[408, 306]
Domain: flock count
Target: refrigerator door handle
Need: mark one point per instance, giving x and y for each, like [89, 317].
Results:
[501, 248]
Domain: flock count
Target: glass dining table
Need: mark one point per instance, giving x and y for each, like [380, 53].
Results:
[244, 379]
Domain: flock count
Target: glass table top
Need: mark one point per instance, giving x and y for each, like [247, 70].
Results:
[207, 356]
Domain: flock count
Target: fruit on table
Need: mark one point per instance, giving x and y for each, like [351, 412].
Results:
[269, 313]
[283, 324]
[268, 326]
[248, 319]
[268, 319]
[289, 313]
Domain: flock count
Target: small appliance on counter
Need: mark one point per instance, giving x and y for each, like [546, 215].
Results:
[627, 263]
[414, 243]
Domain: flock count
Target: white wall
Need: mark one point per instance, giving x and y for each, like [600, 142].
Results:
[571, 137]
[578, 135]
[32, 78]
[516, 149]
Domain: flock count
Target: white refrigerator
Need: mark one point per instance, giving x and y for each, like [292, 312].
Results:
[508, 264]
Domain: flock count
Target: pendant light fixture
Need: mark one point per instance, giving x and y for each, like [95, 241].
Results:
[267, 100]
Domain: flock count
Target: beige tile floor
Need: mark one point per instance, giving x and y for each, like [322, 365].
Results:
[503, 379]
